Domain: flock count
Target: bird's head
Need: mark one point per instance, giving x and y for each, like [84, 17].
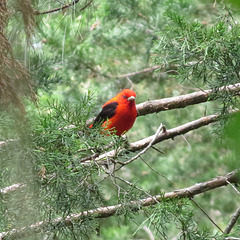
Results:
[128, 94]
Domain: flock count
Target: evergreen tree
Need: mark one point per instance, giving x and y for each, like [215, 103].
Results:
[61, 62]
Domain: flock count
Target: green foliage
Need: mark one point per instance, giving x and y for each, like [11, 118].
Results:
[234, 3]
[77, 55]
[231, 139]
[178, 214]
[48, 77]
[204, 53]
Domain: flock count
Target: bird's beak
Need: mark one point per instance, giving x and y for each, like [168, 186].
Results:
[132, 98]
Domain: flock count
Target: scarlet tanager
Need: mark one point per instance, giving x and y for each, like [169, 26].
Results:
[119, 113]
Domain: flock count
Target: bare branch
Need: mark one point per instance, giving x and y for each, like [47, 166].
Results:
[182, 101]
[171, 133]
[235, 189]
[232, 221]
[12, 188]
[64, 7]
[154, 106]
[151, 69]
[108, 211]
[231, 238]
[167, 134]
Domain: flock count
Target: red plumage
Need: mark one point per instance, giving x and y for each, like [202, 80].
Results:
[119, 113]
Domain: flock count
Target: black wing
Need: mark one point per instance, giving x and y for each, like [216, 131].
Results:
[107, 112]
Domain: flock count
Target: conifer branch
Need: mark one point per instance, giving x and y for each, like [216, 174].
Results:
[63, 7]
[136, 205]
[164, 135]
[167, 104]
[144, 143]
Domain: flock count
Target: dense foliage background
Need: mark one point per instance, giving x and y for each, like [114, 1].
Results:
[79, 58]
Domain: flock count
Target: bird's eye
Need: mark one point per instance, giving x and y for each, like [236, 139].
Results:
[124, 96]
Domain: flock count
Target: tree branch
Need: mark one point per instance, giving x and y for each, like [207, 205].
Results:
[158, 132]
[167, 104]
[144, 143]
[63, 7]
[12, 188]
[154, 106]
[166, 134]
[151, 69]
[232, 221]
[205, 213]
[182, 101]
[108, 211]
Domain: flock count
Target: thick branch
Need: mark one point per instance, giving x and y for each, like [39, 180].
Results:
[182, 101]
[171, 133]
[64, 7]
[104, 212]
[167, 134]
[154, 106]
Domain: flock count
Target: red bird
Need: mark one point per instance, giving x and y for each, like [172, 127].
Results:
[119, 113]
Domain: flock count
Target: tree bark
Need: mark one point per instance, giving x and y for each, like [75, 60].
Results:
[136, 205]
[154, 106]
[182, 101]
[167, 134]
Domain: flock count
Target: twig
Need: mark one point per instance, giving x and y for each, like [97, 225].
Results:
[232, 221]
[136, 187]
[234, 188]
[139, 72]
[205, 213]
[154, 170]
[184, 138]
[156, 149]
[108, 211]
[130, 81]
[149, 232]
[159, 130]
[63, 7]
[113, 179]
[231, 238]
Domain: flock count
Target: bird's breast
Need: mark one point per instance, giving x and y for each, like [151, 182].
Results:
[123, 118]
